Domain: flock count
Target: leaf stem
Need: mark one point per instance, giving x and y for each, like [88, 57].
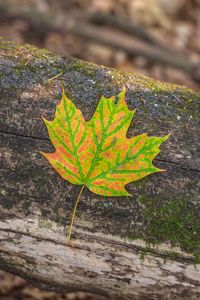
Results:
[74, 212]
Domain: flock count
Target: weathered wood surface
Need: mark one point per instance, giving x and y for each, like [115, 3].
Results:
[109, 233]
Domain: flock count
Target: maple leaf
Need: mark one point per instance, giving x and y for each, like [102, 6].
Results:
[96, 153]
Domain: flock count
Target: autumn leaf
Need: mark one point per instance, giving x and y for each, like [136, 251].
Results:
[96, 153]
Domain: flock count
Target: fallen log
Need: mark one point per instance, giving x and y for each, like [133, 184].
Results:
[147, 246]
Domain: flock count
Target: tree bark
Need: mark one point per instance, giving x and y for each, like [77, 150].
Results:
[147, 246]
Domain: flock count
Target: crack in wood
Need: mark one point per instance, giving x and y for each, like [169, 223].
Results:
[48, 140]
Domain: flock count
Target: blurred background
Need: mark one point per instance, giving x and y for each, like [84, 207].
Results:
[157, 38]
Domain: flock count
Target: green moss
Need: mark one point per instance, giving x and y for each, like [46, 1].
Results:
[26, 57]
[24, 51]
[159, 86]
[85, 68]
[139, 81]
[173, 222]
[25, 206]
[43, 223]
